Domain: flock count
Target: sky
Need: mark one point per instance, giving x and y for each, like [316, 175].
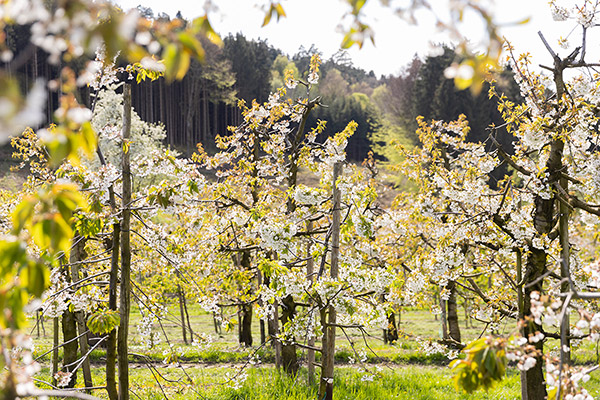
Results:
[317, 22]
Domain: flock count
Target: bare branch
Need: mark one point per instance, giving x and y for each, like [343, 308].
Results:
[552, 53]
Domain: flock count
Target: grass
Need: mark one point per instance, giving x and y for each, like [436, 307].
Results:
[401, 371]
[225, 348]
[266, 383]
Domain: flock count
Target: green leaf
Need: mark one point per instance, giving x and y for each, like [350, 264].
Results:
[102, 322]
[35, 277]
[203, 26]
[89, 139]
[47, 215]
[86, 226]
[172, 59]
[23, 213]
[485, 364]
[13, 255]
[15, 301]
[191, 45]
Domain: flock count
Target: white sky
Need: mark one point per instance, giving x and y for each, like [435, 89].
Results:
[315, 22]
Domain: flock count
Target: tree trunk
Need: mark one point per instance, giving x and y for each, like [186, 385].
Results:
[289, 359]
[390, 335]
[216, 324]
[125, 302]
[187, 317]
[78, 254]
[263, 334]
[443, 318]
[273, 328]
[536, 267]
[37, 323]
[69, 329]
[111, 343]
[205, 126]
[310, 266]
[565, 274]
[55, 339]
[519, 267]
[453, 327]
[328, 359]
[246, 325]
[215, 118]
[245, 311]
[182, 314]
[83, 344]
[273, 325]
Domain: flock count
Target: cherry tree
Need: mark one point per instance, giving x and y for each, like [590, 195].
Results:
[523, 229]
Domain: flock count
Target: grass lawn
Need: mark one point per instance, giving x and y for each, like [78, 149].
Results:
[224, 347]
[266, 383]
[398, 371]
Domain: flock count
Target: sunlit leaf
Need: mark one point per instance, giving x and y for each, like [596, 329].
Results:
[35, 277]
[102, 322]
[275, 9]
[203, 26]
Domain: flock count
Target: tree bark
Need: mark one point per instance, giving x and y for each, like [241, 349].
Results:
[273, 329]
[125, 301]
[78, 254]
[37, 323]
[69, 329]
[216, 324]
[536, 267]
[520, 305]
[453, 326]
[565, 273]
[289, 358]
[263, 334]
[246, 325]
[390, 335]
[245, 311]
[328, 359]
[55, 338]
[310, 266]
[443, 318]
[111, 342]
[182, 314]
[187, 316]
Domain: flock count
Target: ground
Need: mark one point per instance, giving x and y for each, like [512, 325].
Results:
[398, 371]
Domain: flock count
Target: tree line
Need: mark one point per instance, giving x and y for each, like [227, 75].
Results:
[203, 104]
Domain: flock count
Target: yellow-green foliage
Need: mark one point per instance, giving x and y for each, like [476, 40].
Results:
[484, 364]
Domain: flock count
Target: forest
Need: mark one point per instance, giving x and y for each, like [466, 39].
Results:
[185, 215]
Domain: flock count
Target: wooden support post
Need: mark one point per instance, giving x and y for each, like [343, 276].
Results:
[125, 293]
[326, 384]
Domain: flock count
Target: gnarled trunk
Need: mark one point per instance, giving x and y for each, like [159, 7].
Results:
[452, 315]
[289, 359]
[246, 325]
[534, 377]
[390, 335]
[69, 328]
